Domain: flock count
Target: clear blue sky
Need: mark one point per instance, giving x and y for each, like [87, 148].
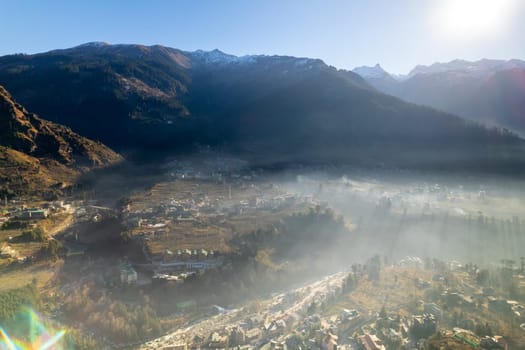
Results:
[345, 33]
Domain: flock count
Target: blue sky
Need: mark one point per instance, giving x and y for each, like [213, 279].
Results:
[398, 34]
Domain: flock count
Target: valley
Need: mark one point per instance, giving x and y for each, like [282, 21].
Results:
[182, 175]
[212, 243]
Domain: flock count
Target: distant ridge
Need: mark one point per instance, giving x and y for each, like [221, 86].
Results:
[487, 91]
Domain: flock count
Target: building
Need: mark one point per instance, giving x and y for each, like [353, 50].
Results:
[371, 342]
[348, 315]
[253, 334]
[33, 214]
[178, 346]
[412, 262]
[128, 275]
[329, 342]
[217, 341]
[7, 252]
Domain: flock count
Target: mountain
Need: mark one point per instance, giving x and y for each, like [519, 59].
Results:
[269, 109]
[377, 77]
[481, 68]
[487, 91]
[42, 153]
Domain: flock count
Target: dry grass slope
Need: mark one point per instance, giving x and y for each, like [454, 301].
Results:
[36, 154]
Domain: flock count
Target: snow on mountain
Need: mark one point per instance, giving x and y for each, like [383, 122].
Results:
[218, 57]
[284, 63]
[94, 44]
[482, 67]
[371, 72]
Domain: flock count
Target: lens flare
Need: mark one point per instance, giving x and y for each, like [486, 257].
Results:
[39, 337]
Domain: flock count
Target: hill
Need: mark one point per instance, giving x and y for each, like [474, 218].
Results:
[270, 109]
[36, 154]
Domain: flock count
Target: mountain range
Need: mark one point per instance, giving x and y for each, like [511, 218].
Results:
[37, 154]
[487, 91]
[268, 109]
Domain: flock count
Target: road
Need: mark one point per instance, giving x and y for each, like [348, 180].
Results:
[293, 303]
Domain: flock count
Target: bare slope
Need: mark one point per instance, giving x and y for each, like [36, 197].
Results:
[36, 154]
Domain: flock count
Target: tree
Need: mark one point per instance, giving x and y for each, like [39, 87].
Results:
[382, 313]
[483, 329]
[52, 249]
[374, 268]
[36, 235]
[482, 277]
[349, 283]
[311, 308]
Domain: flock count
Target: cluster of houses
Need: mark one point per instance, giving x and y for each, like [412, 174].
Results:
[314, 332]
[469, 340]
[33, 214]
[196, 208]
[12, 216]
[411, 262]
[414, 332]
[179, 265]
[371, 342]
[507, 307]
[276, 330]
[22, 213]
[19, 211]
[213, 169]
[200, 206]
[189, 255]
[254, 333]
[8, 252]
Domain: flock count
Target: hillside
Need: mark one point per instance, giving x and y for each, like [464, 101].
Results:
[36, 154]
[271, 109]
[487, 91]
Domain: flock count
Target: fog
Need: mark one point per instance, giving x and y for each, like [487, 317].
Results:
[426, 215]
[199, 243]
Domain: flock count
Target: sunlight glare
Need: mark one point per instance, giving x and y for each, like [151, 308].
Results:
[470, 19]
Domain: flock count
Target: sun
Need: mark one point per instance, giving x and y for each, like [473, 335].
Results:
[471, 19]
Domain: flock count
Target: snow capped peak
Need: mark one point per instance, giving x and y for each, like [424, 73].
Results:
[218, 57]
[371, 72]
[94, 44]
[482, 67]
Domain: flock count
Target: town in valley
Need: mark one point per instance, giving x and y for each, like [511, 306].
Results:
[179, 254]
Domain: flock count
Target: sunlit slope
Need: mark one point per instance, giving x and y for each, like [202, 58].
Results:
[36, 154]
